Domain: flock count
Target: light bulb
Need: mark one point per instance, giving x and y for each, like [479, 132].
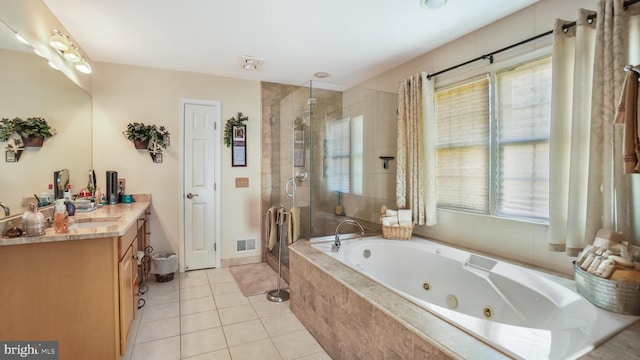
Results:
[59, 42]
[71, 54]
[84, 67]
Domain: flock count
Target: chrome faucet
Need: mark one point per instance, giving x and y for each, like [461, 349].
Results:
[7, 212]
[336, 241]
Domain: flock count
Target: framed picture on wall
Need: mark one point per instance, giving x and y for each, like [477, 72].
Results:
[10, 156]
[239, 146]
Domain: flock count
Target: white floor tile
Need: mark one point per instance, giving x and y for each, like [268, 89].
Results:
[202, 342]
[230, 299]
[164, 349]
[158, 329]
[282, 324]
[296, 344]
[269, 308]
[219, 275]
[163, 297]
[224, 287]
[216, 355]
[197, 305]
[202, 315]
[237, 314]
[193, 274]
[195, 292]
[262, 349]
[192, 281]
[161, 311]
[244, 332]
[199, 321]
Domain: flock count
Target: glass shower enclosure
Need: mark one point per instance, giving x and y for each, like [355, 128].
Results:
[322, 154]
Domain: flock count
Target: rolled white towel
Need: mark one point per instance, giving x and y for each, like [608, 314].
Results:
[404, 217]
[389, 221]
[391, 213]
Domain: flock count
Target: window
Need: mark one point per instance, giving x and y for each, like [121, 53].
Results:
[345, 148]
[524, 108]
[462, 146]
[493, 156]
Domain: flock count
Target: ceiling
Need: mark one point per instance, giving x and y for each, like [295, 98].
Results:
[352, 40]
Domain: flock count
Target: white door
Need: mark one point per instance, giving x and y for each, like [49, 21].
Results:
[199, 195]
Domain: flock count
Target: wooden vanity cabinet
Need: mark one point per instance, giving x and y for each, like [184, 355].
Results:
[129, 279]
[143, 243]
[81, 293]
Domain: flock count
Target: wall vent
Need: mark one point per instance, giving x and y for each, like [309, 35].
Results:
[245, 245]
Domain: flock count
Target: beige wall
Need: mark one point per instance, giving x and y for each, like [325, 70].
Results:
[30, 88]
[123, 94]
[522, 241]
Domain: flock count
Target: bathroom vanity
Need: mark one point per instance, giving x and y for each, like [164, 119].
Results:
[79, 288]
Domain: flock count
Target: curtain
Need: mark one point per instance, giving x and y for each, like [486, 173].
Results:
[416, 176]
[587, 190]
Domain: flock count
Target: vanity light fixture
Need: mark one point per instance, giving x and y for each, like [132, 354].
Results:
[83, 66]
[247, 62]
[72, 54]
[53, 66]
[69, 52]
[58, 41]
[21, 39]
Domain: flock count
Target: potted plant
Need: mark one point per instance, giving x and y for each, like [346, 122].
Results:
[147, 136]
[33, 130]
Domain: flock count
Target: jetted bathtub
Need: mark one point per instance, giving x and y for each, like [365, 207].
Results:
[524, 313]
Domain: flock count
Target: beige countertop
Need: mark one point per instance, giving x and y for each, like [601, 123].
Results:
[124, 215]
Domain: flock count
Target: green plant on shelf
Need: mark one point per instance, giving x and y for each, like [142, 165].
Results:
[33, 126]
[228, 127]
[154, 137]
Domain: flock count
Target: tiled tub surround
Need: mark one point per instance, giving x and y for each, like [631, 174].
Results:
[354, 317]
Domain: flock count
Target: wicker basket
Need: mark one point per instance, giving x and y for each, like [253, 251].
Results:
[394, 232]
[622, 297]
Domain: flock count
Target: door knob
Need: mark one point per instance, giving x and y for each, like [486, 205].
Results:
[191, 196]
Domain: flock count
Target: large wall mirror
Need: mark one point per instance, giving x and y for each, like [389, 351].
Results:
[29, 87]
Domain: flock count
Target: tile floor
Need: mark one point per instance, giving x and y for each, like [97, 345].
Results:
[203, 315]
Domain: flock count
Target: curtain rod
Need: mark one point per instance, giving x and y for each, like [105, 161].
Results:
[489, 56]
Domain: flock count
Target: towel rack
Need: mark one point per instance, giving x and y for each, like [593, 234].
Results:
[633, 68]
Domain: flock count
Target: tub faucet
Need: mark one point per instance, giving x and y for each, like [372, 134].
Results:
[336, 241]
[7, 212]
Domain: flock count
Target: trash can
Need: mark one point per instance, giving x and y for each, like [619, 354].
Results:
[164, 265]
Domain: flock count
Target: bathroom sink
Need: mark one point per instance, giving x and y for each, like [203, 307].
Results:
[93, 223]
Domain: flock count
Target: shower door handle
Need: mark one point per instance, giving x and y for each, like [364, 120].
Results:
[191, 196]
[291, 191]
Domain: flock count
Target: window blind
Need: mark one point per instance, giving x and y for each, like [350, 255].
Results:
[338, 155]
[524, 108]
[462, 145]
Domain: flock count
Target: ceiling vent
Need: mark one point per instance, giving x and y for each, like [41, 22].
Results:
[250, 63]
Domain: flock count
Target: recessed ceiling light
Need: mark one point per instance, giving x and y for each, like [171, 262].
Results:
[432, 4]
[247, 62]
[321, 74]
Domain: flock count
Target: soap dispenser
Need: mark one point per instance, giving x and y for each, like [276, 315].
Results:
[60, 217]
[33, 222]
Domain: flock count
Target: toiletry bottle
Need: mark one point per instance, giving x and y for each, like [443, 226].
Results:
[52, 196]
[67, 193]
[60, 217]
